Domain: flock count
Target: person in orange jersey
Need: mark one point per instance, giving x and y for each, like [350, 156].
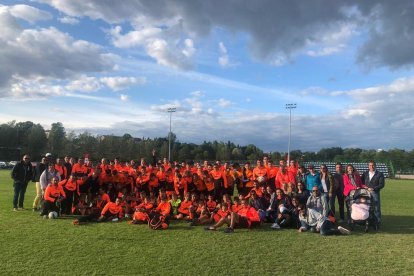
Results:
[54, 195]
[142, 211]
[112, 211]
[169, 182]
[246, 217]
[260, 173]
[272, 171]
[162, 177]
[153, 184]
[61, 169]
[180, 184]
[70, 187]
[293, 167]
[247, 178]
[184, 209]
[285, 180]
[79, 169]
[220, 181]
[199, 184]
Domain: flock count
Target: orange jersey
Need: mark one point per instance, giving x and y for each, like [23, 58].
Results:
[153, 183]
[80, 170]
[146, 206]
[211, 205]
[219, 174]
[249, 178]
[62, 171]
[209, 184]
[105, 197]
[236, 207]
[52, 192]
[164, 208]
[185, 207]
[283, 178]
[200, 185]
[113, 209]
[259, 172]
[180, 185]
[161, 176]
[220, 214]
[272, 171]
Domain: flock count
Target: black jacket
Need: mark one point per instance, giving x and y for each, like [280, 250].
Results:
[38, 170]
[22, 172]
[377, 181]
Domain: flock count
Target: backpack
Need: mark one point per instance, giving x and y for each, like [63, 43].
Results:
[157, 221]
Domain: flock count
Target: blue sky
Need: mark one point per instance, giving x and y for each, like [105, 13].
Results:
[229, 67]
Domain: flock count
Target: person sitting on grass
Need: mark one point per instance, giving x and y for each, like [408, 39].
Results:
[279, 204]
[54, 195]
[184, 209]
[316, 222]
[175, 203]
[142, 211]
[111, 212]
[317, 202]
[246, 217]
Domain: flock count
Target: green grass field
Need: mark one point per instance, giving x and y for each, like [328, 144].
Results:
[31, 245]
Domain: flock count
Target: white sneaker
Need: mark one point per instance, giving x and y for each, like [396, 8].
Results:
[115, 219]
[44, 216]
[275, 226]
[344, 231]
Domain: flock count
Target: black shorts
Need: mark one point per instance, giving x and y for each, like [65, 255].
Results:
[243, 223]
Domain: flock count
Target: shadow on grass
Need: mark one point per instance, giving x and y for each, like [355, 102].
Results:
[391, 224]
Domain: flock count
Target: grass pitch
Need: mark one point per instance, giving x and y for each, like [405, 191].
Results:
[31, 245]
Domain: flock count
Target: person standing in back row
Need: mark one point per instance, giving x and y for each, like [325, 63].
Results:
[374, 179]
[22, 173]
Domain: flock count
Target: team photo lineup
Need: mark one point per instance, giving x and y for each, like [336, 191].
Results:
[213, 195]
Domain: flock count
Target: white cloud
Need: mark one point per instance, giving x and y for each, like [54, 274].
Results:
[224, 103]
[24, 52]
[68, 20]
[292, 27]
[84, 84]
[120, 83]
[197, 94]
[124, 98]
[224, 57]
[25, 12]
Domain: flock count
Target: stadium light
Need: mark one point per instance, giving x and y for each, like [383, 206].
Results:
[290, 106]
[170, 110]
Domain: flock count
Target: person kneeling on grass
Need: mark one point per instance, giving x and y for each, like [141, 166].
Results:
[316, 222]
[246, 217]
[54, 195]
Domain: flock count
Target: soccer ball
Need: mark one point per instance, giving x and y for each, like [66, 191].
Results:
[260, 179]
[53, 215]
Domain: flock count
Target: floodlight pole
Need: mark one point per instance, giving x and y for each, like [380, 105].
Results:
[170, 110]
[290, 106]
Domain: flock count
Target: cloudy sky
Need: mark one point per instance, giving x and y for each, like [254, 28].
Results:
[229, 67]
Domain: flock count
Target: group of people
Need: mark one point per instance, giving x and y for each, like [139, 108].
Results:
[209, 194]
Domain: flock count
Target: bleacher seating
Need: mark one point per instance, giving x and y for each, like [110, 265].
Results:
[360, 167]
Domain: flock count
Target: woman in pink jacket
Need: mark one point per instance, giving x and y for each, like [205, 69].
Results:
[352, 180]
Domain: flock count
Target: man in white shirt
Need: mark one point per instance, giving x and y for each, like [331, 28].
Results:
[374, 179]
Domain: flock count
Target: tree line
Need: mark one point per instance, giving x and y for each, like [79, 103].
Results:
[17, 138]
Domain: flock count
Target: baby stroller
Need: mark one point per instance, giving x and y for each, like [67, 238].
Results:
[361, 207]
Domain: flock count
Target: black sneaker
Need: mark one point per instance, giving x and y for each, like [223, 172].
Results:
[228, 230]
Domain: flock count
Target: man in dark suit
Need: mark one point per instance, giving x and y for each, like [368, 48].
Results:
[375, 181]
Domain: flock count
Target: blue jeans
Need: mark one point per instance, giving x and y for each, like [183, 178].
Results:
[377, 204]
[19, 191]
[328, 228]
